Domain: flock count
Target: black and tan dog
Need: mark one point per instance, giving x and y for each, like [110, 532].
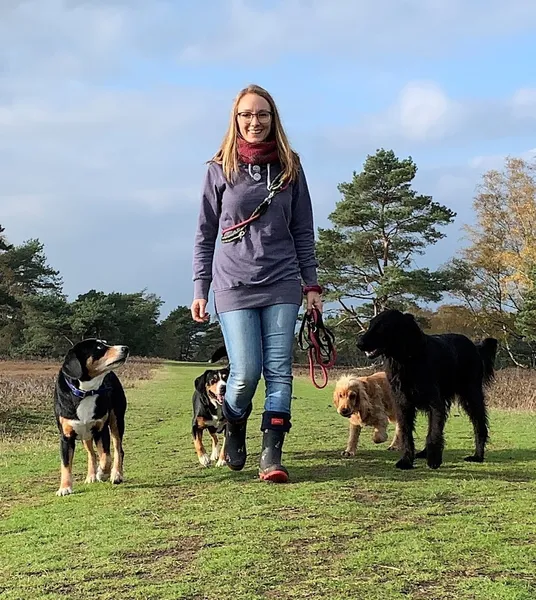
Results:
[90, 405]
[207, 401]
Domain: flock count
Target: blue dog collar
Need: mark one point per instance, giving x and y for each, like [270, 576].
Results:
[82, 393]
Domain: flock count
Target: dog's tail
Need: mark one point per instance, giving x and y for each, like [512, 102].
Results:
[220, 353]
[487, 349]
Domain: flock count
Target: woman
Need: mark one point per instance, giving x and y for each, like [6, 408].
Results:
[266, 246]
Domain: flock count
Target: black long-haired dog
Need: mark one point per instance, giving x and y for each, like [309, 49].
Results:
[427, 372]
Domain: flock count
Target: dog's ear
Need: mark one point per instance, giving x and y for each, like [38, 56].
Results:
[411, 334]
[363, 400]
[336, 398]
[220, 353]
[200, 382]
[71, 366]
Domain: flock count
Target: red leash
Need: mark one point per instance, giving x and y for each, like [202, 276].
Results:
[319, 344]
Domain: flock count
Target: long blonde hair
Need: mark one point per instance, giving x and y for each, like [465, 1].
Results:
[227, 155]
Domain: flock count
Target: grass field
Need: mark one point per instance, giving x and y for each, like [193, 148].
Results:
[342, 529]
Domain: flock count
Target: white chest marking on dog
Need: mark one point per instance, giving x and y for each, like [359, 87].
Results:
[85, 413]
[86, 409]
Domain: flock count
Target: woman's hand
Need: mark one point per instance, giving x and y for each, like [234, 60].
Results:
[198, 311]
[314, 300]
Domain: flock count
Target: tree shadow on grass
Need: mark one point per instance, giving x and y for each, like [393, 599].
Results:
[330, 466]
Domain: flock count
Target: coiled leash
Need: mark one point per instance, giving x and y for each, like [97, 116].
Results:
[238, 231]
[319, 344]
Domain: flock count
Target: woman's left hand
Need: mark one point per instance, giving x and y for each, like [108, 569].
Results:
[314, 300]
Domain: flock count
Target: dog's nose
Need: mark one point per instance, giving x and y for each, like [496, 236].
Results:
[360, 342]
[124, 349]
[346, 412]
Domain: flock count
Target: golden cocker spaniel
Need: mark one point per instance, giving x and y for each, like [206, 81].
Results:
[366, 401]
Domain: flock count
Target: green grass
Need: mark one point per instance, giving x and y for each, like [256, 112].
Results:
[343, 528]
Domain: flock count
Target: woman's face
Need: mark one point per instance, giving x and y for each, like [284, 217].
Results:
[254, 116]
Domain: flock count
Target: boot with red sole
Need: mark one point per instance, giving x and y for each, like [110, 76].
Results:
[274, 427]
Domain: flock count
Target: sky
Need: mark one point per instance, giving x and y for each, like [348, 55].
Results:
[109, 110]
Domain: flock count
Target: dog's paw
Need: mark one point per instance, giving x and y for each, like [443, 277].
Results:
[65, 491]
[434, 458]
[215, 454]
[221, 462]
[393, 448]
[474, 459]
[116, 477]
[405, 464]
[102, 475]
[204, 460]
[91, 479]
[422, 454]
[347, 454]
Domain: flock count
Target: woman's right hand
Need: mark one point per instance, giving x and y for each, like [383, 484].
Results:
[198, 311]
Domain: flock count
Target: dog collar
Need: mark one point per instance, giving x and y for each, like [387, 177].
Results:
[83, 393]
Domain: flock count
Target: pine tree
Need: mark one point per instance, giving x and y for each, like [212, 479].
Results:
[380, 225]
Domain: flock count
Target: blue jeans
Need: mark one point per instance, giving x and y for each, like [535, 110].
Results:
[259, 340]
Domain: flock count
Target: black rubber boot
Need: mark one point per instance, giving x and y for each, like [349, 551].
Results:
[274, 427]
[235, 440]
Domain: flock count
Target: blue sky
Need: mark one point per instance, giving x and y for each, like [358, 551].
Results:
[108, 110]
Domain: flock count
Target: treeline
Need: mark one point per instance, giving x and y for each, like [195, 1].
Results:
[37, 320]
[380, 226]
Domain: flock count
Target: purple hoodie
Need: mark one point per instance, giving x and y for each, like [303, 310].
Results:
[265, 266]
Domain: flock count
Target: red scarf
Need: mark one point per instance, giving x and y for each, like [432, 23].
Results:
[257, 153]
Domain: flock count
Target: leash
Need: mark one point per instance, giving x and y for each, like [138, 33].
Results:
[238, 231]
[319, 344]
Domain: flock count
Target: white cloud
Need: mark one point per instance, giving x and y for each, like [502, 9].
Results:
[524, 103]
[371, 30]
[496, 161]
[89, 38]
[424, 111]
[424, 114]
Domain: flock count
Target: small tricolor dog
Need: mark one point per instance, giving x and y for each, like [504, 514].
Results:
[366, 401]
[207, 401]
[90, 405]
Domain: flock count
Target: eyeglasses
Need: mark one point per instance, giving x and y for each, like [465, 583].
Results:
[263, 116]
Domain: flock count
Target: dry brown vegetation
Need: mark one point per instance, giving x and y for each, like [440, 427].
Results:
[514, 389]
[26, 390]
